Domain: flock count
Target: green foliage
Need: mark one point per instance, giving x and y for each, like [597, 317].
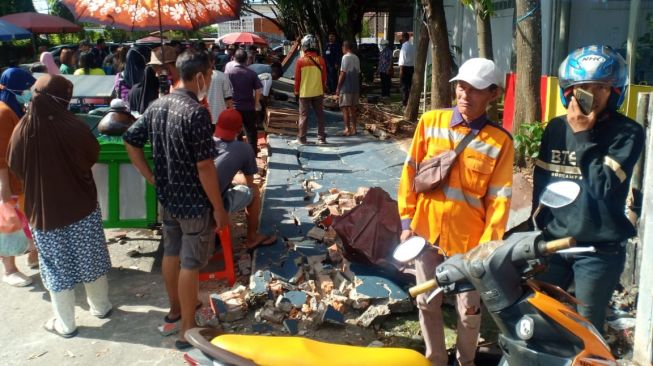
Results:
[527, 140]
[15, 6]
[60, 10]
[487, 7]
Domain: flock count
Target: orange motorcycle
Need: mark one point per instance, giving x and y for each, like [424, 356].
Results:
[537, 322]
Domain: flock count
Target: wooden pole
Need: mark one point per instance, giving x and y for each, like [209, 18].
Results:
[632, 38]
[643, 345]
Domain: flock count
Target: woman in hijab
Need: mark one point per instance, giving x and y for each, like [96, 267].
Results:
[133, 72]
[61, 202]
[145, 92]
[48, 60]
[14, 85]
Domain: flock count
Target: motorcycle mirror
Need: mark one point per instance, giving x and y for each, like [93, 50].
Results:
[409, 249]
[559, 194]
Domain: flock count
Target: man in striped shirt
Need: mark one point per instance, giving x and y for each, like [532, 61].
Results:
[469, 208]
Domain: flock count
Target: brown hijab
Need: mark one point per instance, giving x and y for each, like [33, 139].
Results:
[52, 152]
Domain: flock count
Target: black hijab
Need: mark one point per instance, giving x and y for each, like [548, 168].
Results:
[145, 92]
[135, 65]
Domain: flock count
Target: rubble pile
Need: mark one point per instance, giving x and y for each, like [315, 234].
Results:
[312, 284]
[621, 322]
[384, 123]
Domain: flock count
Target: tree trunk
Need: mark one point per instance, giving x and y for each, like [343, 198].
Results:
[441, 55]
[483, 32]
[412, 107]
[484, 42]
[529, 63]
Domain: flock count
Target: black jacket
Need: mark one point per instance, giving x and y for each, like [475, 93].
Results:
[601, 161]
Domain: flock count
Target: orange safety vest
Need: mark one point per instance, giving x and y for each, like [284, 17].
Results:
[472, 206]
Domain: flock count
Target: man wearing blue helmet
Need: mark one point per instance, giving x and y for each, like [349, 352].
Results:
[598, 150]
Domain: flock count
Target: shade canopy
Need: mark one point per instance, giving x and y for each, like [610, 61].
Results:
[143, 15]
[243, 38]
[41, 23]
[9, 32]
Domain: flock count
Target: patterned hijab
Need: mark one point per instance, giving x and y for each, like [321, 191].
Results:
[52, 152]
[14, 81]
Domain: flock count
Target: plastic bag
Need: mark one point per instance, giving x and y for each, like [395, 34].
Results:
[9, 220]
[13, 244]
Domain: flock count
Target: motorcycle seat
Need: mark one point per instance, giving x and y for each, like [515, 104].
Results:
[295, 351]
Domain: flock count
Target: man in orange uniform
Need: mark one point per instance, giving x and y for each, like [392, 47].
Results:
[310, 85]
[469, 208]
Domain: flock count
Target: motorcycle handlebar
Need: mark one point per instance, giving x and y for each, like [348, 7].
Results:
[553, 246]
[423, 287]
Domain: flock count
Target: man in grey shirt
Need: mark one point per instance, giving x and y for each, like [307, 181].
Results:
[238, 189]
[348, 89]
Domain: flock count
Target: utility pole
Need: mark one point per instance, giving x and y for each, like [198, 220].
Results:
[643, 344]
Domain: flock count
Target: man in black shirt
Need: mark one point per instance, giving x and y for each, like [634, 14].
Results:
[598, 150]
[186, 182]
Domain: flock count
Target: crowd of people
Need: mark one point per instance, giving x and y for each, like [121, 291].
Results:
[197, 117]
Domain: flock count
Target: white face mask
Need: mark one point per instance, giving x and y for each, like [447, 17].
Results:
[201, 92]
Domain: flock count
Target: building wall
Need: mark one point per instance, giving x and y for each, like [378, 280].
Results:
[591, 22]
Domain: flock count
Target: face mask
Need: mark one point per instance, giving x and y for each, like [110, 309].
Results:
[24, 98]
[201, 92]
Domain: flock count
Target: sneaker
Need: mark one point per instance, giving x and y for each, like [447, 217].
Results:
[298, 141]
[17, 279]
[321, 141]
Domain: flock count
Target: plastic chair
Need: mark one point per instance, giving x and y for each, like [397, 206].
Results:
[226, 255]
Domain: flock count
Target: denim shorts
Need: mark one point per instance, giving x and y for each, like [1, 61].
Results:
[236, 198]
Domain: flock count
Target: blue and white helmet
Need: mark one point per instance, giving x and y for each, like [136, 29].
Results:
[594, 64]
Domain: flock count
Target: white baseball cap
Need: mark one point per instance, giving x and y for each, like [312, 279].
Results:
[479, 73]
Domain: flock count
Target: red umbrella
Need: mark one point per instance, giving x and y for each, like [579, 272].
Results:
[242, 38]
[150, 39]
[155, 14]
[41, 23]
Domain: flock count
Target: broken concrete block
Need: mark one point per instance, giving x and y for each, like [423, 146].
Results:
[291, 270]
[373, 314]
[316, 233]
[332, 316]
[330, 236]
[377, 344]
[291, 326]
[334, 190]
[320, 213]
[334, 254]
[326, 284]
[276, 288]
[338, 305]
[346, 203]
[262, 328]
[331, 199]
[229, 306]
[296, 298]
[283, 304]
[360, 194]
[308, 286]
[313, 251]
[334, 209]
[340, 281]
[272, 315]
[258, 283]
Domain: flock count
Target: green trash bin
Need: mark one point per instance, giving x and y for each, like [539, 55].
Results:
[126, 199]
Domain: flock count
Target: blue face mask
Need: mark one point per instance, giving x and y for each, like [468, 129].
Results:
[24, 98]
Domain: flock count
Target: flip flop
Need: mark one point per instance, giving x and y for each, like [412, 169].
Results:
[171, 326]
[49, 326]
[267, 240]
[182, 345]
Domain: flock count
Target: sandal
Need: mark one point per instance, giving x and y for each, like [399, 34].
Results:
[182, 345]
[50, 326]
[171, 326]
[266, 240]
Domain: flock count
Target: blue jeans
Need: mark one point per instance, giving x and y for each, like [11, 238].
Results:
[595, 275]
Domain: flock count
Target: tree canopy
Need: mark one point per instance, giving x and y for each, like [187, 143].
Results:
[15, 6]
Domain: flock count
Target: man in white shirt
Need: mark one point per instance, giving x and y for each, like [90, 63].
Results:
[219, 95]
[406, 66]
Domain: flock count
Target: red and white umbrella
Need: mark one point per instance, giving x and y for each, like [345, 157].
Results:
[243, 38]
[155, 14]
